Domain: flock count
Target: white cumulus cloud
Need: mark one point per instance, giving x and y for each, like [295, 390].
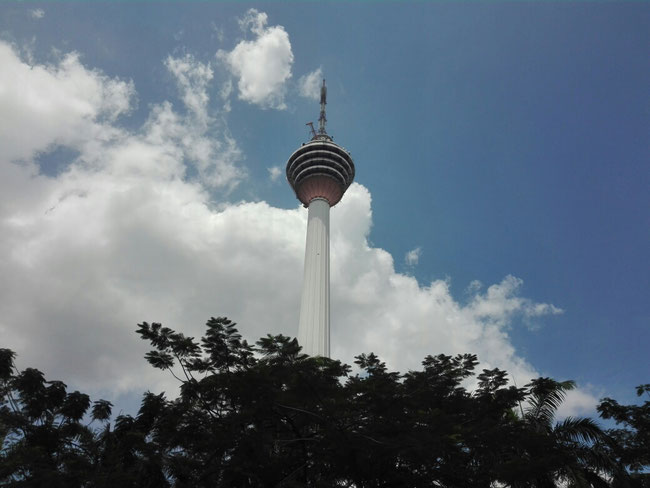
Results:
[215, 159]
[412, 257]
[262, 66]
[309, 85]
[254, 21]
[37, 13]
[122, 236]
[45, 105]
[192, 78]
[274, 172]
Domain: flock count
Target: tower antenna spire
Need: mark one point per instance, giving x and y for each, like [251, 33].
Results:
[322, 120]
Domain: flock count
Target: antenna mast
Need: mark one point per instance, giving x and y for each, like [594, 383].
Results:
[322, 120]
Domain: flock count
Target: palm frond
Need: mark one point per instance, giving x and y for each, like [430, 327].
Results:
[579, 430]
[546, 395]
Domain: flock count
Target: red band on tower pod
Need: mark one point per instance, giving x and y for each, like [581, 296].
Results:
[320, 186]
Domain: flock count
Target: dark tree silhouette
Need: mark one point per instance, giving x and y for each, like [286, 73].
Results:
[630, 444]
[269, 416]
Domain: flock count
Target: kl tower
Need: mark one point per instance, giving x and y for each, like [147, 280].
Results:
[319, 173]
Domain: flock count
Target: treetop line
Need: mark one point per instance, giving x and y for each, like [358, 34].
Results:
[269, 415]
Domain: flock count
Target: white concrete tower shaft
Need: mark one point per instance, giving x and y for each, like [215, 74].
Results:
[319, 172]
[314, 325]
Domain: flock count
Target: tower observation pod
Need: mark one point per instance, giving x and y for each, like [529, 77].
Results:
[319, 172]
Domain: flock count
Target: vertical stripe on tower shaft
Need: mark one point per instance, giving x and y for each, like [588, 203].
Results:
[314, 325]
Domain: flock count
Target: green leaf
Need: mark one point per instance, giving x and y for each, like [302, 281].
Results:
[101, 410]
[75, 405]
[159, 359]
[7, 357]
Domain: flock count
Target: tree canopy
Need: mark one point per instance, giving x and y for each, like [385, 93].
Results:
[266, 415]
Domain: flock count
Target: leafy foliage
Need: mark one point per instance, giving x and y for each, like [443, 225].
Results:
[630, 442]
[269, 415]
[44, 442]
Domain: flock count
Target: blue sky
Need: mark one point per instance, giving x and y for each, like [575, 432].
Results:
[503, 145]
